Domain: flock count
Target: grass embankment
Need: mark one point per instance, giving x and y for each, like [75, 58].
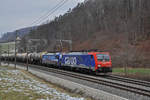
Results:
[4, 47]
[138, 73]
[21, 85]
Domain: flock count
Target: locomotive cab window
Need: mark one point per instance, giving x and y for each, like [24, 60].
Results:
[91, 56]
[103, 57]
[57, 57]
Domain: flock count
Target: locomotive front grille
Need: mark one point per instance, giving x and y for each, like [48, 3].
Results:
[104, 69]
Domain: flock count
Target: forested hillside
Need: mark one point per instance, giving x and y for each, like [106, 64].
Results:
[10, 36]
[121, 27]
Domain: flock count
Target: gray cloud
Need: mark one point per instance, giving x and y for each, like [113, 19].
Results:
[15, 14]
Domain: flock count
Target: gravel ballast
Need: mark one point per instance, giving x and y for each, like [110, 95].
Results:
[72, 86]
[78, 88]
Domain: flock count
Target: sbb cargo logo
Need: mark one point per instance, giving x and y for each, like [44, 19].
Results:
[70, 60]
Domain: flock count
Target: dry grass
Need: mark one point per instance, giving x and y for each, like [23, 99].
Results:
[21, 85]
[137, 73]
[57, 87]
[4, 46]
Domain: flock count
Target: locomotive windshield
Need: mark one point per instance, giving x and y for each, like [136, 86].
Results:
[103, 57]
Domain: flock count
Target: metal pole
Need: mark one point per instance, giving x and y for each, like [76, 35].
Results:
[61, 45]
[0, 59]
[15, 49]
[5, 57]
[8, 54]
[70, 45]
[27, 61]
[127, 41]
[0, 54]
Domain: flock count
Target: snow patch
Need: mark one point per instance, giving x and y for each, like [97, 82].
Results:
[17, 81]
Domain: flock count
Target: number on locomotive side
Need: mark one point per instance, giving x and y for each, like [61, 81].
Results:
[70, 60]
[67, 60]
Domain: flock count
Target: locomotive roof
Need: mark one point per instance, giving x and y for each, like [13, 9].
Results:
[77, 53]
[49, 54]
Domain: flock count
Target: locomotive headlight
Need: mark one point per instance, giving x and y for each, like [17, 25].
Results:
[99, 65]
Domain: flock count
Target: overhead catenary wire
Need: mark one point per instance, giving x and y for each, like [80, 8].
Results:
[40, 19]
[50, 12]
[47, 13]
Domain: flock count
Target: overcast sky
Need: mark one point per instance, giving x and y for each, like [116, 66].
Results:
[16, 14]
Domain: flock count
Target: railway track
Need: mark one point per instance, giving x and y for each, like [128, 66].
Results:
[110, 83]
[129, 80]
